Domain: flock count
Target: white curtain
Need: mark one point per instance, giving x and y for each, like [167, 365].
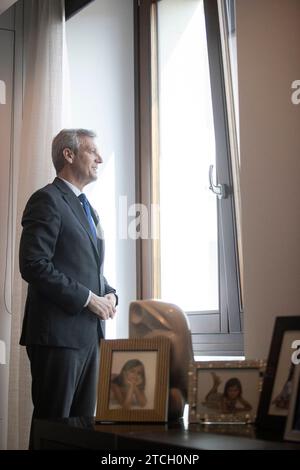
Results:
[42, 118]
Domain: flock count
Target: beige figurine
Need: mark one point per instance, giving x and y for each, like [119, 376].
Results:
[150, 318]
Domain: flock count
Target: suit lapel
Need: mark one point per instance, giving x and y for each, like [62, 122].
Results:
[100, 235]
[74, 203]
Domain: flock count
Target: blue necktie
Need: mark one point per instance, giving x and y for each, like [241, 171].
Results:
[86, 206]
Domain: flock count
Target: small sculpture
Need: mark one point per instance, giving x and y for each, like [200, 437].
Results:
[150, 318]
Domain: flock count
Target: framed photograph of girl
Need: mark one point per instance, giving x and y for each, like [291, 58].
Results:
[225, 392]
[133, 380]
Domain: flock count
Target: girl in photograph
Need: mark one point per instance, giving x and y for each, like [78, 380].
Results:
[128, 387]
[231, 400]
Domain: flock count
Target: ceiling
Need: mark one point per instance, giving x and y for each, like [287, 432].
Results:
[72, 6]
[5, 4]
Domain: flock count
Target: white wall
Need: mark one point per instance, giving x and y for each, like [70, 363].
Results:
[268, 40]
[100, 48]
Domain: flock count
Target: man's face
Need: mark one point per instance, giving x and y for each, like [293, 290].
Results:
[85, 164]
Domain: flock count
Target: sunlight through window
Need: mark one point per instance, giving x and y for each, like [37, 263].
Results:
[188, 210]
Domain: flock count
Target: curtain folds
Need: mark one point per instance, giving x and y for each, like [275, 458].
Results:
[42, 118]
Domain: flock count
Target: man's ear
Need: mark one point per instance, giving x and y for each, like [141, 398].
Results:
[69, 155]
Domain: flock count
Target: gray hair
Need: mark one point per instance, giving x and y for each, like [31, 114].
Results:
[67, 138]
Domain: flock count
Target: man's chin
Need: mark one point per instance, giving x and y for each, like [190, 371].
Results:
[93, 177]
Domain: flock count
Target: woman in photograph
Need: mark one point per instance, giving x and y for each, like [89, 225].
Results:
[282, 400]
[296, 421]
[128, 387]
[231, 400]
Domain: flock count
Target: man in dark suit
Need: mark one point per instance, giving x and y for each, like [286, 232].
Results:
[68, 299]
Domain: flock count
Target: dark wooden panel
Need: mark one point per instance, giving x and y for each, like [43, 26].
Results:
[165, 437]
[74, 6]
[7, 19]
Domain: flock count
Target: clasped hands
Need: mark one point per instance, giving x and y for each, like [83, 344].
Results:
[103, 307]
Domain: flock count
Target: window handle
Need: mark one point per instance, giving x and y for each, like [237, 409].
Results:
[220, 190]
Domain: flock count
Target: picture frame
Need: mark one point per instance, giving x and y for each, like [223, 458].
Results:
[225, 391]
[292, 428]
[275, 396]
[133, 380]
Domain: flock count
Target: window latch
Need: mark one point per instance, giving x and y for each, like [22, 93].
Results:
[220, 190]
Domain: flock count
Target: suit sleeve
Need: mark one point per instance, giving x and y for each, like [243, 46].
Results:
[41, 226]
[110, 290]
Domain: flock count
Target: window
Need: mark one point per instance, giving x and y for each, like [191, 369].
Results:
[182, 129]
[188, 210]
[101, 88]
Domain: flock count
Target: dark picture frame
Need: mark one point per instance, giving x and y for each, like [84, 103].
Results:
[276, 392]
[124, 397]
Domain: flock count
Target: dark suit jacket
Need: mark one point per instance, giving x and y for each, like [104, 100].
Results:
[61, 262]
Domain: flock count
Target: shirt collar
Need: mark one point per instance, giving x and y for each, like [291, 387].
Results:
[75, 190]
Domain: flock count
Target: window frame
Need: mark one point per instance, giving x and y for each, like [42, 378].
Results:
[226, 207]
[228, 339]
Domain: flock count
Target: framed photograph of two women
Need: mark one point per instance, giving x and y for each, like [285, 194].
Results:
[292, 427]
[225, 391]
[284, 354]
[134, 380]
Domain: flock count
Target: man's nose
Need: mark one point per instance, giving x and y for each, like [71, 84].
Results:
[99, 158]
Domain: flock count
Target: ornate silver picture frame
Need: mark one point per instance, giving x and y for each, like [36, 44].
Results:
[225, 391]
